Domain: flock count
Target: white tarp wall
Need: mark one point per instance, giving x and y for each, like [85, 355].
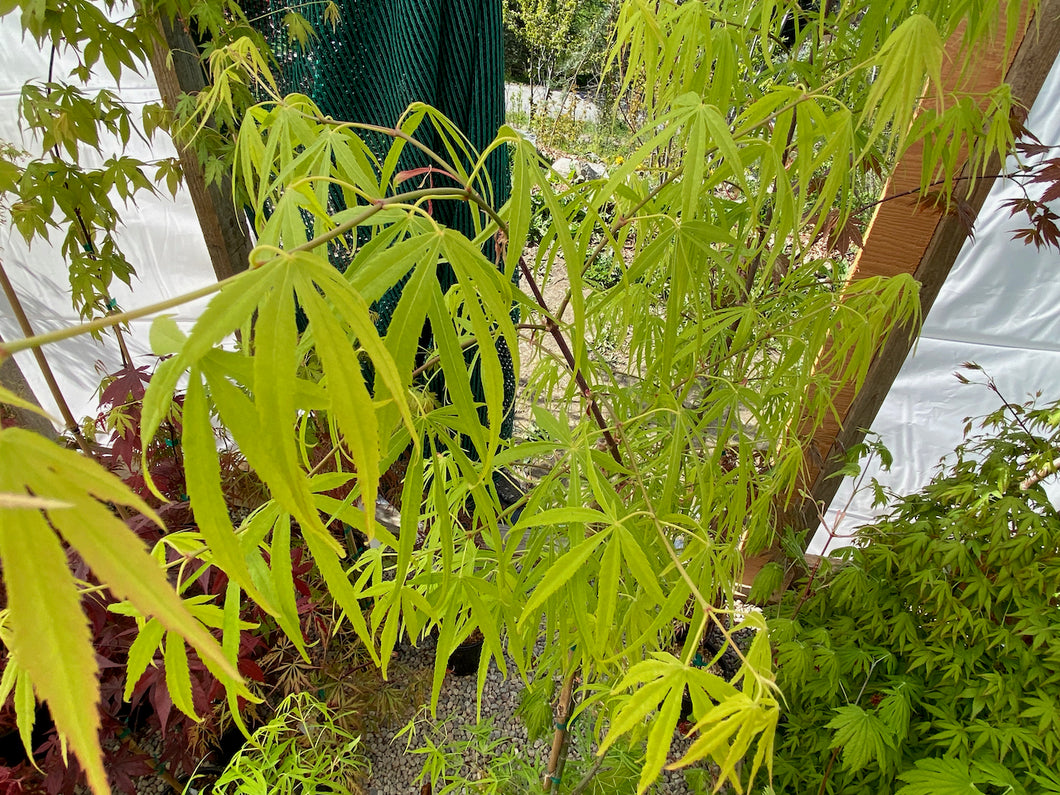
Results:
[999, 308]
[161, 237]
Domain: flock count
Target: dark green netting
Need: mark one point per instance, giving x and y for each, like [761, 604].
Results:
[382, 56]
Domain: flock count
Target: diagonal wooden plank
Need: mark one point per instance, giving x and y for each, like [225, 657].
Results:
[905, 236]
[925, 242]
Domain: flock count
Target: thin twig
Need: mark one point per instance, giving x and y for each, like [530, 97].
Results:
[320, 464]
[588, 777]
[90, 249]
[553, 328]
[108, 321]
[828, 770]
[285, 9]
[965, 178]
[434, 360]
[378, 205]
[101, 323]
[86, 241]
[832, 533]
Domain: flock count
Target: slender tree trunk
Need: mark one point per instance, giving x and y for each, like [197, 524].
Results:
[12, 379]
[49, 377]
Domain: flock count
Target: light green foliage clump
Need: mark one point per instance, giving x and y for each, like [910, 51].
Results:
[303, 750]
[480, 759]
[928, 659]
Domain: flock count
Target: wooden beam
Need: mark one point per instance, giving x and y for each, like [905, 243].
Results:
[924, 241]
[907, 236]
[178, 71]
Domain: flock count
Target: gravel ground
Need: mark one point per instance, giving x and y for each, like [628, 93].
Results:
[395, 770]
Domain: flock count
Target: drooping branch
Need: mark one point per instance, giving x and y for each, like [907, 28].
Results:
[99, 324]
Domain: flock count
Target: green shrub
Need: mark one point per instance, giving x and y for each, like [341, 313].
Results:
[928, 659]
[657, 485]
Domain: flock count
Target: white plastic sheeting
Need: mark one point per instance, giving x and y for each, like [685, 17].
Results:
[160, 236]
[999, 308]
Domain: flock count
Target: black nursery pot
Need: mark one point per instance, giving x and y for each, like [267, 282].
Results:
[464, 661]
[686, 707]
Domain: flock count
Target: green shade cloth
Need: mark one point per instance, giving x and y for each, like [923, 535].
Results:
[382, 56]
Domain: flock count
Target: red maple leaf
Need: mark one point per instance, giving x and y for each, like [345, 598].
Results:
[1032, 148]
[1048, 172]
[1020, 205]
[841, 238]
[966, 215]
[129, 384]
[123, 765]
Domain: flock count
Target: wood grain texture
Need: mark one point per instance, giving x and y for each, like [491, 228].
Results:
[177, 70]
[924, 242]
[911, 237]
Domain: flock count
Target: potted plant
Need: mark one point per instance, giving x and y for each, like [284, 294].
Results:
[465, 659]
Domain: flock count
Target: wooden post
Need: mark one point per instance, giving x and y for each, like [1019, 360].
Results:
[178, 71]
[907, 236]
